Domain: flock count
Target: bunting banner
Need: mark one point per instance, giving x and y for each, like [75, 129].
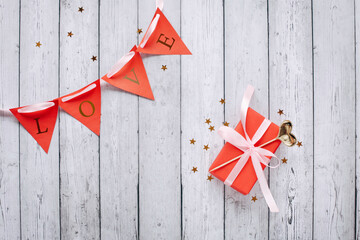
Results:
[127, 74]
[161, 38]
[85, 106]
[39, 120]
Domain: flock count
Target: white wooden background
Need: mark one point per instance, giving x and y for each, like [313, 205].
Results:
[135, 180]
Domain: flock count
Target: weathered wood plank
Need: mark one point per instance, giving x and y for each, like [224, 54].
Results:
[334, 119]
[291, 89]
[39, 172]
[159, 138]
[202, 86]
[246, 62]
[9, 127]
[119, 128]
[79, 147]
[357, 163]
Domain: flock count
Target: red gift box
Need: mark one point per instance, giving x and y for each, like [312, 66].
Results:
[246, 179]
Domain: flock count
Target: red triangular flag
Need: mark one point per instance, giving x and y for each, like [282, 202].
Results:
[85, 105]
[129, 74]
[39, 120]
[161, 38]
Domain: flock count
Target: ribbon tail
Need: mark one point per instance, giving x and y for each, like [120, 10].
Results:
[237, 169]
[263, 183]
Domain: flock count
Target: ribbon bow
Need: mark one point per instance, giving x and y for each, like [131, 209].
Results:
[258, 155]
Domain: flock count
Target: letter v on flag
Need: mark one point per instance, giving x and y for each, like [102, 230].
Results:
[85, 105]
[39, 120]
[129, 74]
[161, 38]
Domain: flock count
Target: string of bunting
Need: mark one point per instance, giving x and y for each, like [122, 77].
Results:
[128, 74]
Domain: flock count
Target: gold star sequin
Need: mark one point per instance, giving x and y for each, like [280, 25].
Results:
[206, 147]
[164, 67]
[211, 128]
[94, 58]
[299, 144]
[81, 9]
[38, 44]
[210, 178]
[253, 198]
[280, 112]
[192, 141]
[194, 169]
[208, 121]
[284, 160]
[70, 34]
[226, 124]
[222, 101]
[139, 31]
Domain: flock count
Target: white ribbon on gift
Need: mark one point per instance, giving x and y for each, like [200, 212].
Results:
[258, 155]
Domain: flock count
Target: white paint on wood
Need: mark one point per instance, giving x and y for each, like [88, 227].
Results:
[357, 161]
[79, 147]
[246, 62]
[147, 142]
[202, 87]
[159, 138]
[119, 126]
[39, 172]
[334, 119]
[9, 129]
[290, 57]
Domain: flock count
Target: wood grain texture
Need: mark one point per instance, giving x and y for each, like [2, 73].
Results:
[39, 172]
[202, 87]
[79, 147]
[135, 182]
[159, 138]
[246, 62]
[9, 143]
[291, 89]
[119, 126]
[334, 119]
[357, 161]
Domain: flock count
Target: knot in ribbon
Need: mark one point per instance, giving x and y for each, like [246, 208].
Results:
[247, 146]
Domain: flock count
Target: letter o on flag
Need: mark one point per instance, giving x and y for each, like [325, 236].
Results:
[81, 110]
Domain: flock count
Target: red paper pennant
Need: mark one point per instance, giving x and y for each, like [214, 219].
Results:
[163, 39]
[85, 105]
[131, 76]
[39, 120]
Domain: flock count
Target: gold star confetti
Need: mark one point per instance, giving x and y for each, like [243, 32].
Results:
[70, 34]
[284, 160]
[81, 9]
[94, 58]
[208, 121]
[206, 147]
[164, 67]
[299, 144]
[226, 124]
[194, 169]
[280, 112]
[253, 198]
[38, 44]
[222, 101]
[192, 141]
[139, 31]
[211, 128]
[210, 178]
